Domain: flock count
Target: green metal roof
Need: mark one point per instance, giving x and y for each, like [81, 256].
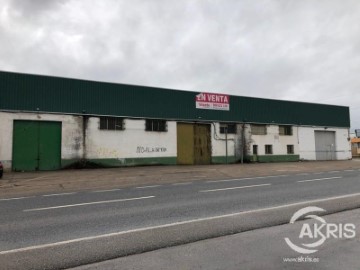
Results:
[25, 92]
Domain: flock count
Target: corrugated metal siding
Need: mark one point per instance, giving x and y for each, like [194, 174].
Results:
[53, 94]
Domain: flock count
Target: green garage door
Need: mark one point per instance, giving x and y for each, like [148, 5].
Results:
[36, 145]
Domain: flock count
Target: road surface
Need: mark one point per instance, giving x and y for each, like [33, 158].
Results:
[258, 249]
[51, 218]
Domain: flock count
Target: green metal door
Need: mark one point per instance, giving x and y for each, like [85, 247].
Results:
[36, 145]
[49, 146]
[25, 146]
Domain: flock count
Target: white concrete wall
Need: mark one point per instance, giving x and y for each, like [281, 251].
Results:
[71, 147]
[133, 142]
[279, 142]
[307, 142]
[234, 147]
[218, 143]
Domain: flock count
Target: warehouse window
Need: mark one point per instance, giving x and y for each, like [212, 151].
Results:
[255, 149]
[290, 149]
[285, 130]
[268, 149]
[231, 128]
[155, 125]
[258, 129]
[111, 123]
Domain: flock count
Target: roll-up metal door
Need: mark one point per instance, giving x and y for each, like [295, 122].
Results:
[325, 145]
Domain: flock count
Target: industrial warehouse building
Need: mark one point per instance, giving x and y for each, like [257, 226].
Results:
[48, 123]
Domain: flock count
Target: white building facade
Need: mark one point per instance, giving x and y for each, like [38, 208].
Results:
[41, 133]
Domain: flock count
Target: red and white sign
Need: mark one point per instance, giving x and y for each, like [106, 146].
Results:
[210, 101]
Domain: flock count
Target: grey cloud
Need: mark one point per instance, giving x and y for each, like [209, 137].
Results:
[28, 7]
[299, 50]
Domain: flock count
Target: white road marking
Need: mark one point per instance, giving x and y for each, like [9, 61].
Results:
[349, 170]
[59, 194]
[333, 171]
[246, 178]
[221, 189]
[228, 180]
[237, 179]
[182, 184]
[89, 203]
[106, 190]
[11, 251]
[319, 179]
[150, 186]
[319, 173]
[18, 198]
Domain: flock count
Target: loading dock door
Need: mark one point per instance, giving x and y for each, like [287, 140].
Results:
[36, 145]
[325, 145]
[202, 144]
[185, 143]
[193, 144]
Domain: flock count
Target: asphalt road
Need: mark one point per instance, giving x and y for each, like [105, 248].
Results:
[50, 218]
[258, 249]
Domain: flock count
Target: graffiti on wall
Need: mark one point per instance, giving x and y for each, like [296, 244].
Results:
[147, 149]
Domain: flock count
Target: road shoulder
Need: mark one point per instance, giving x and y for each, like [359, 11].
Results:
[258, 249]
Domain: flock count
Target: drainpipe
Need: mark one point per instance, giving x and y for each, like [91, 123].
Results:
[216, 137]
[242, 142]
[226, 144]
[84, 125]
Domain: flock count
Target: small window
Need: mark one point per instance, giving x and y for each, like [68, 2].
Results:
[155, 125]
[231, 128]
[258, 129]
[255, 149]
[285, 130]
[290, 149]
[268, 149]
[111, 123]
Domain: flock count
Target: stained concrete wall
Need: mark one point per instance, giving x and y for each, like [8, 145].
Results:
[125, 146]
[307, 142]
[72, 144]
[279, 142]
[303, 139]
[134, 145]
[218, 144]
[234, 143]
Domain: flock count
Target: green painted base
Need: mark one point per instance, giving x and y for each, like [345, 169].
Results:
[66, 163]
[274, 158]
[113, 162]
[222, 159]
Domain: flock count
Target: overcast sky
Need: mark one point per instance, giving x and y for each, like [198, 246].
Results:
[306, 50]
